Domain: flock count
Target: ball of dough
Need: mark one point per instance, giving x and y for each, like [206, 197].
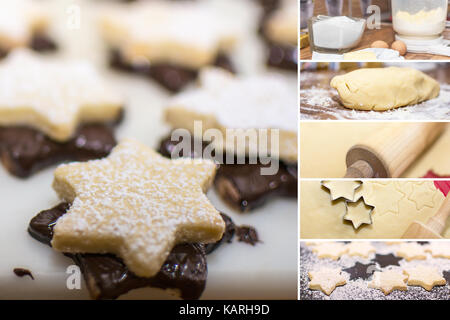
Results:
[384, 88]
[379, 44]
[400, 46]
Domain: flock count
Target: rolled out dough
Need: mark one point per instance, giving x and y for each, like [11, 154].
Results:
[324, 146]
[384, 88]
[393, 213]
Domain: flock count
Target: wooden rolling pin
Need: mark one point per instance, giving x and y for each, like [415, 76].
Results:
[390, 151]
[434, 226]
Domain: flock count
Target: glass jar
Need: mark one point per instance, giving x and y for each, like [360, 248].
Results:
[335, 34]
[419, 18]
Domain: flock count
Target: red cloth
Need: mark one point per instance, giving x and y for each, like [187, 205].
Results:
[431, 175]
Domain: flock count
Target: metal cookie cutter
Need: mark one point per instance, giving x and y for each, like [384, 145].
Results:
[369, 207]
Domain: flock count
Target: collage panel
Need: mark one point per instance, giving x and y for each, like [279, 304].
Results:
[361, 30]
[375, 209]
[375, 91]
[352, 149]
[374, 136]
[374, 270]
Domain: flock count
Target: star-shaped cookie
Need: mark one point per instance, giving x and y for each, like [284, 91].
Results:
[137, 205]
[331, 250]
[342, 188]
[71, 92]
[326, 279]
[358, 213]
[439, 249]
[360, 248]
[184, 33]
[239, 106]
[425, 276]
[411, 251]
[388, 281]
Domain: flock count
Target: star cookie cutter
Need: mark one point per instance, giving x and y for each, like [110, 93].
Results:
[367, 206]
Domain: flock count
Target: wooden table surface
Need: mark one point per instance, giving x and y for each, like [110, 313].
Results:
[386, 33]
[322, 102]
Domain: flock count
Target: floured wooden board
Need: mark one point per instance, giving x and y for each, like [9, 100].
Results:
[397, 203]
[235, 271]
[358, 272]
[324, 146]
[319, 101]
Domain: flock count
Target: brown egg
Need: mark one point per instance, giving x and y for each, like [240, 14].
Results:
[400, 46]
[379, 44]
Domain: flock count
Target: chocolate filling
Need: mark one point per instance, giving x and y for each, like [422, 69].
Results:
[247, 234]
[24, 150]
[40, 42]
[228, 235]
[269, 5]
[21, 272]
[170, 76]
[107, 277]
[242, 185]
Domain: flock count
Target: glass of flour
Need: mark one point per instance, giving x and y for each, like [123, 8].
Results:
[335, 34]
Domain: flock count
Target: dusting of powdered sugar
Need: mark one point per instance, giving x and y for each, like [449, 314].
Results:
[257, 101]
[316, 97]
[358, 288]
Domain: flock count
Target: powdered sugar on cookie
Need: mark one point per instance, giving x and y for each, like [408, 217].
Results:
[189, 34]
[137, 205]
[53, 96]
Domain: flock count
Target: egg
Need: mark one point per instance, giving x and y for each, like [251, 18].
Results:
[379, 44]
[400, 46]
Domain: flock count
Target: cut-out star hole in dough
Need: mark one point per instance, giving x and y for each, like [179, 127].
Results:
[388, 281]
[421, 195]
[341, 188]
[135, 204]
[425, 276]
[358, 213]
[390, 195]
[326, 279]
